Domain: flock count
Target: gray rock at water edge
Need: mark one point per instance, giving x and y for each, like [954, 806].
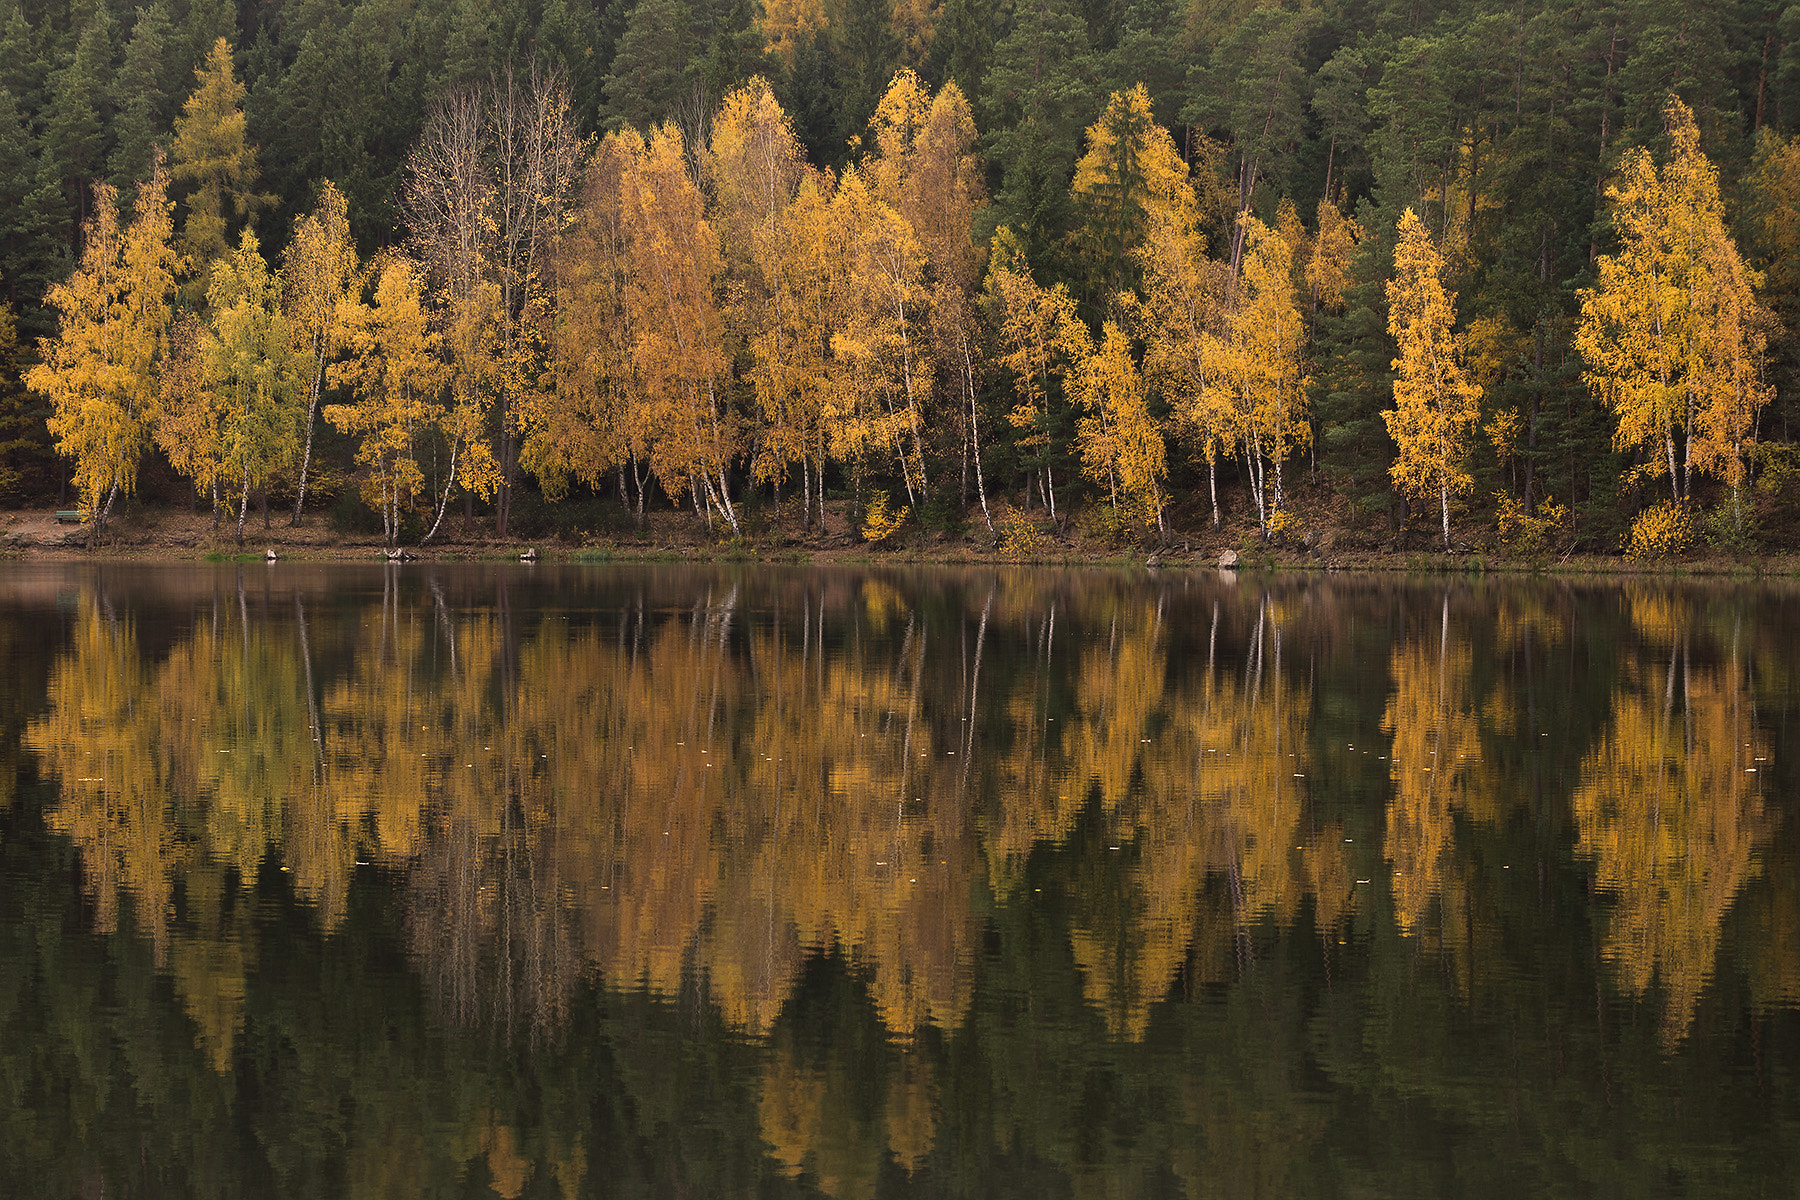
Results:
[1228, 561]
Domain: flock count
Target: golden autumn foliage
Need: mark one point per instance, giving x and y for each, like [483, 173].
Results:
[1327, 268]
[1670, 811]
[667, 811]
[1120, 442]
[1673, 333]
[100, 371]
[1258, 360]
[397, 379]
[321, 281]
[1129, 176]
[1433, 763]
[592, 421]
[211, 152]
[1183, 301]
[679, 353]
[1436, 404]
[1038, 332]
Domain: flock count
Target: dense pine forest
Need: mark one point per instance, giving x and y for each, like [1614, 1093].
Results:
[1518, 278]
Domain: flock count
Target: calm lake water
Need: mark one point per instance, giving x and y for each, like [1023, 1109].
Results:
[609, 881]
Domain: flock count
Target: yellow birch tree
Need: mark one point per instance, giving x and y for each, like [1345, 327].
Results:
[756, 169]
[99, 371]
[1183, 299]
[322, 280]
[1436, 404]
[1673, 333]
[929, 172]
[1259, 358]
[680, 351]
[252, 371]
[791, 362]
[398, 379]
[590, 422]
[1121, 445]
[1031, 321]
[883, 360]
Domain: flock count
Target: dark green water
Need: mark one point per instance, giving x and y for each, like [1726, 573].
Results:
[324, 882]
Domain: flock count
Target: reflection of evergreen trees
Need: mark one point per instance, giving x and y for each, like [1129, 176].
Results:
[628, 889]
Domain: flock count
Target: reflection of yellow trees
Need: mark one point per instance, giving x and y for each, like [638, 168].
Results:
[1670, 811]
[147, 798]
[819, 1118]
[680, 795]
[1205, 780]
[728, 811]
[1433, 763]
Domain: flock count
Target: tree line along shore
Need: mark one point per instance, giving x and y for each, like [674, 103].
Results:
[1310, 276]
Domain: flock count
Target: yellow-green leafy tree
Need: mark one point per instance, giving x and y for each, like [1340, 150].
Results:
[1183, 299]
[1033, 324]
[322, 281]
[882, 359]
[1673, 333]
[1130, 173]
[1436, 404]
[1259, 360]
[679, 351]
[591, 421]
[211, 155]
[99, 371]
[927, 169]
[1121, 445]
[398, 378]
[252, 371]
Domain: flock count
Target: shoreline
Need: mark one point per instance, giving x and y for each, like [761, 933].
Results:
[165, 536]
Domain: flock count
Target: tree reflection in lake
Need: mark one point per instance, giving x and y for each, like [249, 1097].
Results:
[642, 881]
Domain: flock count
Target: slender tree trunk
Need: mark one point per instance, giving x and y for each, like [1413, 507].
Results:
[312, 410]
[1444, 498]
[968, 374]
[243, 506]
[100, 518]
[444, 502]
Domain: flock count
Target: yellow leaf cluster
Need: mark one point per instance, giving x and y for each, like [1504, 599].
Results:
[1673, 334]
[1436, 403]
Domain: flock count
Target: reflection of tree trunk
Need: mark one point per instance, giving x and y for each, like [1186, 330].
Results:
[312, 694]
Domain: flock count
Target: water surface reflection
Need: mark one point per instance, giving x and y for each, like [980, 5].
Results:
[659, 880]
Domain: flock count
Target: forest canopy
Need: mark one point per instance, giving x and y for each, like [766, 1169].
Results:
[971, 264]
